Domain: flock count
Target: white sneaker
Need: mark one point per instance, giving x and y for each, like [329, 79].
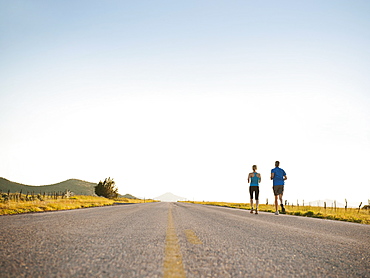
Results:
[277, 212]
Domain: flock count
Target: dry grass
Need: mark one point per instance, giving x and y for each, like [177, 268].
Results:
[76, 202]
[351, 215]
[50, 204]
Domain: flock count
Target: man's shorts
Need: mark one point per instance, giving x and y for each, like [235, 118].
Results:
[278, 189]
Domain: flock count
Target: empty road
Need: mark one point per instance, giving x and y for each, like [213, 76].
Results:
[179, 240]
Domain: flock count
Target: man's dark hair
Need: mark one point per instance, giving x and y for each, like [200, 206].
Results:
[277, 163]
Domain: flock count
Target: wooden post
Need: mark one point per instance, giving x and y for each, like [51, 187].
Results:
[325, 206]
[359, 207]
[346, 204]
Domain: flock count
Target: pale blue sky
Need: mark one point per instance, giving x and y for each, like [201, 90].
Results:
[185, 96]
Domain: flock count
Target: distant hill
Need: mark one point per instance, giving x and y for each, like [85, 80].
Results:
[128, 196]
[78, 187]
[169, 197]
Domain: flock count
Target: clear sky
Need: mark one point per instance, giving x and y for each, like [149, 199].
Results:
[185, 96]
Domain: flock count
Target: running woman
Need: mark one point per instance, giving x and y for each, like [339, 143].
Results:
[278, 176]
[254, 178]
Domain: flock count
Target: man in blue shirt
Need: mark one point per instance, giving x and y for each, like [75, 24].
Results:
[278, 177]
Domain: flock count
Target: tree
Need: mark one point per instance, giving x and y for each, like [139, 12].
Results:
[107, 189]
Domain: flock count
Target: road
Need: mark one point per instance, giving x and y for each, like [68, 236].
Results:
[179, 240]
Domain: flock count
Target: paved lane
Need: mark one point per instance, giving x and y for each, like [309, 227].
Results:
[239, 244]
[180, 240]
[118, 241]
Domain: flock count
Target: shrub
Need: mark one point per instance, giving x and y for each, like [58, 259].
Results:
[309, 213]
[107, 189]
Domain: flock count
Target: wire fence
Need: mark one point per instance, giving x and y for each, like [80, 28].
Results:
[32, 196]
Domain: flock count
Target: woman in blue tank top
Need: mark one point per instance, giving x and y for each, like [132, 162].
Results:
[254, 179]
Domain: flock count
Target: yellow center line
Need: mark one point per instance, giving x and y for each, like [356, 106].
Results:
[192, 237]
[173, 266]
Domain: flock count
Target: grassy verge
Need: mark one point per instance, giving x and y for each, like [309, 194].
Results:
[349, 215]
[75, 202]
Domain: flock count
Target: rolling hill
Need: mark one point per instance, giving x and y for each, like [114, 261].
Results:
[78, 187]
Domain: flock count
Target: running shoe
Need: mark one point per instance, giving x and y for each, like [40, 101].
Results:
[277, 212]
[256, 212]
[251, 211]
[282, 208]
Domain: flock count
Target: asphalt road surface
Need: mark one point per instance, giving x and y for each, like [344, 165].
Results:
[180, 240]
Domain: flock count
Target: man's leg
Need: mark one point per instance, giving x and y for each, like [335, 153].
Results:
[281, 203]
[276, 202]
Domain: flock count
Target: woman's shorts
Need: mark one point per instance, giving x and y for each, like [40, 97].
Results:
[255, 189]
[278, 189]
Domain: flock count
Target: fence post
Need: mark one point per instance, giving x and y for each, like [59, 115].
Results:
[359, 207]
[346, 204]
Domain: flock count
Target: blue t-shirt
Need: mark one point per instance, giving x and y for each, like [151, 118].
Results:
[278, 176]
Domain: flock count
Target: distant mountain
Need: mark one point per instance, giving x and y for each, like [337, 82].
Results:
[169, 197]
[78, 187]
[128, 196]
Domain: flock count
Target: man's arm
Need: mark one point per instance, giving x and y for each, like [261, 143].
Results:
[272, 175]
[285, 178]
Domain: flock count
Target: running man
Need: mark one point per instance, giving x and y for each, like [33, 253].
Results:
[255, 179]
[278, 176]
